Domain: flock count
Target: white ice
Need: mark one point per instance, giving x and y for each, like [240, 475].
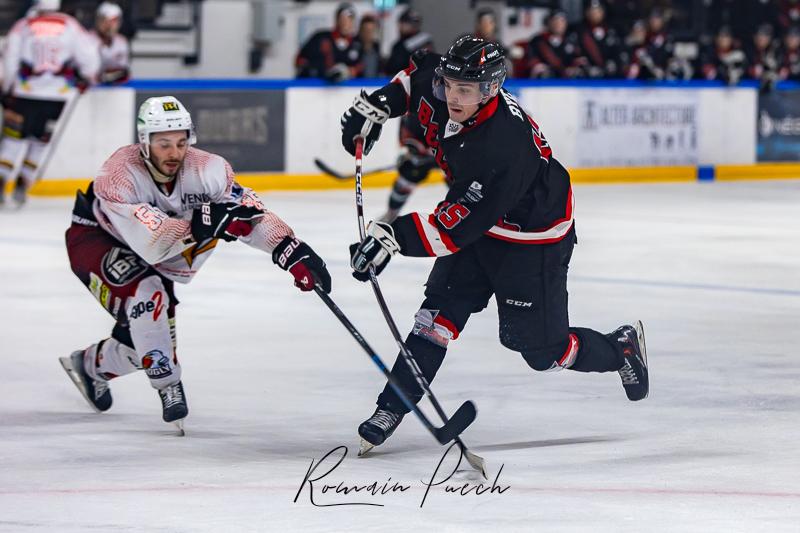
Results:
[274, 382]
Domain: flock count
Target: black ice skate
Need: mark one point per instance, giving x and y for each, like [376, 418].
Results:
[95, 391]
[173, 401]
[634, 373]
[377, 428]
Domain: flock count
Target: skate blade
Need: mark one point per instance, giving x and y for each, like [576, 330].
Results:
[66, 364]
[179, 424]
[639, 327]
[364, 448]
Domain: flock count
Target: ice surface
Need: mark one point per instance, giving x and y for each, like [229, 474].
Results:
[273, 382]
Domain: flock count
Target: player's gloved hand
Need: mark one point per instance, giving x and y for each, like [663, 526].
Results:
[338, 73]
[227, 221]
[375, 250]
[364, 119]
[308, 269]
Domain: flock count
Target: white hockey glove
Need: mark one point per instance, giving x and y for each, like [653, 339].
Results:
[375, 250]
[364, 119]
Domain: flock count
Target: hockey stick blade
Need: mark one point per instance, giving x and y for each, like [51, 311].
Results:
[329, 171]
[463, 417]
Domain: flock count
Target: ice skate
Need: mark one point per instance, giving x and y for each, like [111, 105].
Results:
[377, 428]
[173, 402]
[95, 391]
[20, 194]
[634, 373]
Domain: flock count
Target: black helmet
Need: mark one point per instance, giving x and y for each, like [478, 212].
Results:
[472, 59]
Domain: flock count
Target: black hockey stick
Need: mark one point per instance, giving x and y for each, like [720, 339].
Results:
[475, 461]
[332, 173]
[451, 429]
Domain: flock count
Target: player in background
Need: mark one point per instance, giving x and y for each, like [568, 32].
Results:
[114, 48]
[554, 53]
[505, 228]
[330, 54]
[415, 160]
[486, 25]
[49, 57]
[151, 218]
[412, 38]
[600, 44]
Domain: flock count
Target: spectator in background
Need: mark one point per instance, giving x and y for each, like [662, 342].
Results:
[553, 53]
[368, 47]
[114, 49]
[724, 60]
[600, 44]
[789, 55]
[330, 54]
[486, 25]
[742, 17]
[788, 13]
[762, 57]
[654, 59]
[412, 38]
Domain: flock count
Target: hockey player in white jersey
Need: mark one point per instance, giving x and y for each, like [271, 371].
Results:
[48, 57]
[113, 47]
[152, 217]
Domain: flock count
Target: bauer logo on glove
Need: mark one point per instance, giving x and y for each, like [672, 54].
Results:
[308, 269]
[227, 221]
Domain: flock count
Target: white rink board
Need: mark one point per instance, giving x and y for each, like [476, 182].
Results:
[104, 120]
[313, 130]
[274, 382]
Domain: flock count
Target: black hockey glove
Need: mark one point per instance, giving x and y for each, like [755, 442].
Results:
[364, 119]
[375, 250]
[227, 221]
[308, 269]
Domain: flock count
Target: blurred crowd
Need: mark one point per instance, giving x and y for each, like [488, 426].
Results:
[614, 39]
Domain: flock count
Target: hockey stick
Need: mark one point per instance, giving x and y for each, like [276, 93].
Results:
[332, 173]
[451, 429]
[55, 137]
[477, 462]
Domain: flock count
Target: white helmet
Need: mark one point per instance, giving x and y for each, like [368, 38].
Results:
[109, 10]
[162, 113]
[47, 5]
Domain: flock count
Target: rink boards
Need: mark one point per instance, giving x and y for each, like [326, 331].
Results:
[610, 132]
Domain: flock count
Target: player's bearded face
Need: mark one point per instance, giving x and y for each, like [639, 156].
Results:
[168, 150]
[463, 98]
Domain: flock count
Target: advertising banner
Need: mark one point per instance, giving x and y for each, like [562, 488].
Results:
[621, 127]
[779, 126]
[244, 127]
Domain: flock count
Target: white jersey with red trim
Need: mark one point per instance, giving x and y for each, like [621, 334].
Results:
[157, 226]
[43, 53]
[114, 53]
[505, 182]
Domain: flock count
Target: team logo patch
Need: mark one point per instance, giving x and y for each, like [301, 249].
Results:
[170, 106]
[475, 193]
[121, 266]
[156, 365]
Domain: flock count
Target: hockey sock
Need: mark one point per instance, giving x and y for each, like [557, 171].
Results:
[428, 356]
[151, 333]
[597, 353]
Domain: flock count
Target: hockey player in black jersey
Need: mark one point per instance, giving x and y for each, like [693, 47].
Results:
[505, 227]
